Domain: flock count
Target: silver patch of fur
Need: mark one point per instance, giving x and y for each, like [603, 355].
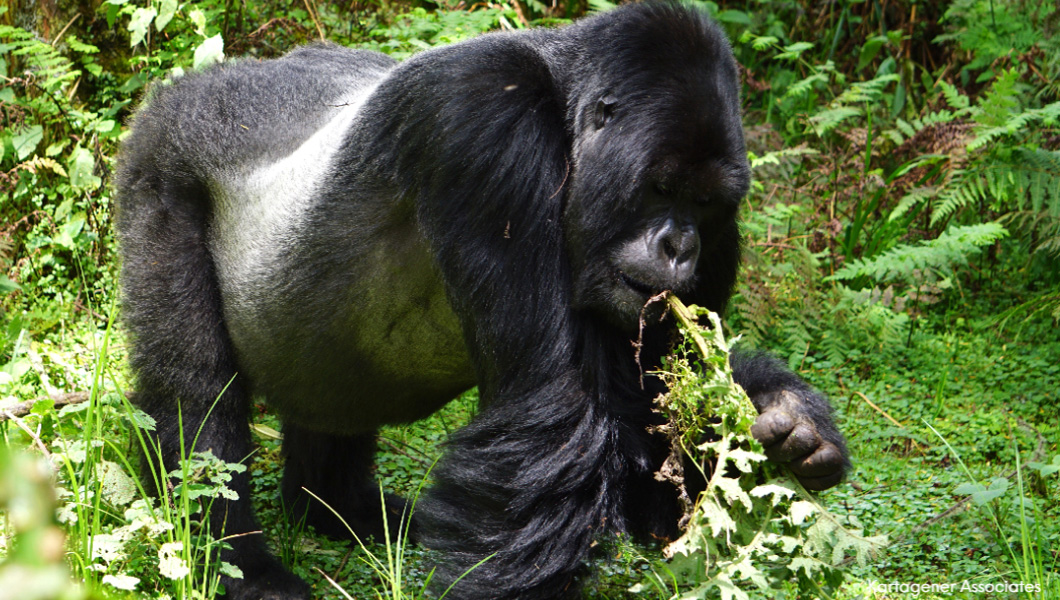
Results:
[260, 210]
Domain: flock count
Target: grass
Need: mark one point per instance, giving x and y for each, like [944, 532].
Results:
[987, 420]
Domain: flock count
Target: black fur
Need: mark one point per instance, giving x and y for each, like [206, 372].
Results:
[358, 241]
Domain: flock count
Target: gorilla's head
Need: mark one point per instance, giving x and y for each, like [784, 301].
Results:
[659, 166]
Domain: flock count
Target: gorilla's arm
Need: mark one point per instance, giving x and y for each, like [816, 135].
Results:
[526, 487]
[528, 484]
[795, 422]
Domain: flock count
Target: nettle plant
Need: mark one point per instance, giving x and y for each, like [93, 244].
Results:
[754, 531]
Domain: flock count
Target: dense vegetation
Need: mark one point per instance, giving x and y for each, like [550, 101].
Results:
[903, 254]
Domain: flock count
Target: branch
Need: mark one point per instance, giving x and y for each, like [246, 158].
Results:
[23, 408]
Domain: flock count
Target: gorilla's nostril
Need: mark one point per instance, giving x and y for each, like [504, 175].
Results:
[669, 250]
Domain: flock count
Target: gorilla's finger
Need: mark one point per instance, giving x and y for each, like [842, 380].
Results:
[772, 427]
[802, 440]
[826, 461]
[818, 484]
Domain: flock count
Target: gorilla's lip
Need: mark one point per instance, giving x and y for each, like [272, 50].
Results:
[636, 285]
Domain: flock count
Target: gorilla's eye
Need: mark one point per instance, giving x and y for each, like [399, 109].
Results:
[663, 189]
[605, 111]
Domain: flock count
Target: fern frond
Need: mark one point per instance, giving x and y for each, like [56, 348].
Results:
[963, 189]
[1014, 123]
[45, 61]
[865, 91]
[794, 51]
[913, 198]
[905, 127]
[1036, 176]
[952, 248]
[804, 86]
[775, 157]
[826, 120]
[1026, 179]
[953, 96]
[797, 340]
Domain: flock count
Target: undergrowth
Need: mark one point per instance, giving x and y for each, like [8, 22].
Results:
[902, 252]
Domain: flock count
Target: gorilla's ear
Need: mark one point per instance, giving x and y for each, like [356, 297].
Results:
[605, 110]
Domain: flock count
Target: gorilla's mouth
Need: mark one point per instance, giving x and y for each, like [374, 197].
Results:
[637, 286]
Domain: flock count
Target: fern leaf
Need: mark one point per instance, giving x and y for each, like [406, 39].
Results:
[803, 86]
[955, 196]
[915, 197]
[951, 248]
[953, 96]
[866, 91]
[826, 120]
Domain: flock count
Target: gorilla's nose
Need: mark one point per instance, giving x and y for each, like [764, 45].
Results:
[675, 250]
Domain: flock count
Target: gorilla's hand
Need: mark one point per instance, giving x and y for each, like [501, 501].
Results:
[795, 434]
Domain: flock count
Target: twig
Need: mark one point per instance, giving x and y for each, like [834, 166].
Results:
[316, 21]
[640, 330]
[23, 408]
[7, 416]
[918, 445]
[403, 449]
[63, 30]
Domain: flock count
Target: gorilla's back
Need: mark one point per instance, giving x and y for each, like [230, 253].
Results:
[256, 145]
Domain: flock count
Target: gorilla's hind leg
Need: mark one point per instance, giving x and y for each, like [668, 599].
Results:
[186, 369]
[338, 470]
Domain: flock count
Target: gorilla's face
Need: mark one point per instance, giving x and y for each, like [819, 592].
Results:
[656, 180]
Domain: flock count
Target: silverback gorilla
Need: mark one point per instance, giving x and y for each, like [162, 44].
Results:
[358, 241]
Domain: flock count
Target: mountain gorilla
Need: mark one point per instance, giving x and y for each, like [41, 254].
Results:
[358, 241]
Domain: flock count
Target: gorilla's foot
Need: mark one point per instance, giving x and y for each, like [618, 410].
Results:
[264, 577]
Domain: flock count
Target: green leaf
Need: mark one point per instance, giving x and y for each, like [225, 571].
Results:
[230, 570]
[870, 49]
[778, 493]
[1047, 469]
[763, 42]
[951, 248]
[199, 20]
[982, 495]
[139, 23]
[210, 51]
[68, 232]
[601, 5]
[7, 286]
[133, 83]
[166, 11]
[80, 166]
[794, 51]
[25, 143]
[734, 16]
[801, 510]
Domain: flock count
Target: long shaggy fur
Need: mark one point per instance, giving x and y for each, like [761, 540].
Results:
[358, 240]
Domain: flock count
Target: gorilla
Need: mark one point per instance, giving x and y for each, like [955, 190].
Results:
[358, 241]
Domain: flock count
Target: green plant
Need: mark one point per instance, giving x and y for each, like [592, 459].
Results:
[1027, 550]
[49, 158]
[742, 538]
[33, 562]
[391, 567]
